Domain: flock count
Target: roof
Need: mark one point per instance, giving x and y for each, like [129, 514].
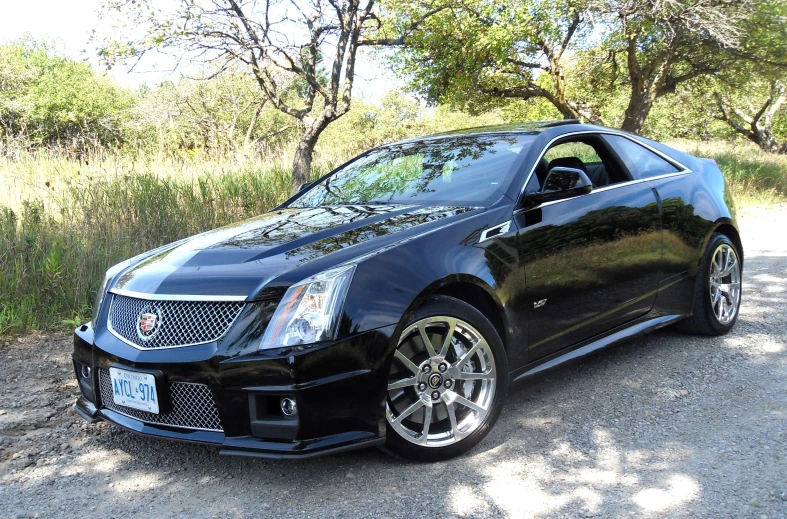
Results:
[525, 127]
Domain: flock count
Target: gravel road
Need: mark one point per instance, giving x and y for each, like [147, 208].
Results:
[664, 426]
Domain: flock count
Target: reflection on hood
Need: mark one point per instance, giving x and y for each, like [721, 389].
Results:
[236, 259]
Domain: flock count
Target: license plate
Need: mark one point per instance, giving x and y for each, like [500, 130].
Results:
[134, 389]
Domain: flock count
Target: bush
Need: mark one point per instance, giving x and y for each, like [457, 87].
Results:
[46, 99]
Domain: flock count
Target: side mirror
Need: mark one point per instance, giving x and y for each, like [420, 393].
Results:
[561, 183]
[304, 186]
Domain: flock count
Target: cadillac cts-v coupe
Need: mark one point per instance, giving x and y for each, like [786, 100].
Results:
[393, 301]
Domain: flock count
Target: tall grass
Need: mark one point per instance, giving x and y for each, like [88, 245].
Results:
[754, 176]
[56, 242]
[64, 220]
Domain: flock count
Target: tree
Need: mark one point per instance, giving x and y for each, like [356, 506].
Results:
[278, 41]
[572, 52]
[757, 121]
[750, 98]
[662, 44]
[224, 113]
[480, 52]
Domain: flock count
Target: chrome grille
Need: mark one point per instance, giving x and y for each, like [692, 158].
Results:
[180, 323]
[192, 406]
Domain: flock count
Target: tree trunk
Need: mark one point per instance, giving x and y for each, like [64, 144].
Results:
[636, 112]
[757, 127]
[302, 164]
[766, 140]
[565, 110]
[571, 110]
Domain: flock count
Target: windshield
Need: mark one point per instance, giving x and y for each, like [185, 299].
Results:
[459, 170]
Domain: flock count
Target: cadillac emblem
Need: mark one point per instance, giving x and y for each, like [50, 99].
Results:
[148, 322]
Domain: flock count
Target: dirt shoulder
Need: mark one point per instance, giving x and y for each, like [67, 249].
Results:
[664, 426]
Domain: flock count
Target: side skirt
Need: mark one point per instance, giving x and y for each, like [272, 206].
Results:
[561, 357]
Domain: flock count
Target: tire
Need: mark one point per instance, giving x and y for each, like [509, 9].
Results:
[705, 318]
[458, 387]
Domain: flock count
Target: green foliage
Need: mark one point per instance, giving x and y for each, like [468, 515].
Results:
[465, 56]
[48, 99]
[687, 114]
[221, 115]
[607, 61]
[536, 109]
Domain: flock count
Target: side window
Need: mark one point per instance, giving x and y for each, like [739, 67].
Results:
[641, 162]
[580, 150]
[589, 155]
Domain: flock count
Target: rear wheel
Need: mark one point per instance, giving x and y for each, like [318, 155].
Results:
[717, 295]
[447, 382]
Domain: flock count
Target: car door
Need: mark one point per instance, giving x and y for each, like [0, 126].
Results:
[591, 262]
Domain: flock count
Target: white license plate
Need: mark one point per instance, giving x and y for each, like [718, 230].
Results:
[134, 389]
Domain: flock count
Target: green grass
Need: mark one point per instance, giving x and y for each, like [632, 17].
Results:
[755, 177]
[65, 220]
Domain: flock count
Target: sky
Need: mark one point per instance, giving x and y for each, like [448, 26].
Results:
[69, 24]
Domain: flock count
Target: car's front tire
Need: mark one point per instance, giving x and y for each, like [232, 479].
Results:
[447, 382]
[717, 293]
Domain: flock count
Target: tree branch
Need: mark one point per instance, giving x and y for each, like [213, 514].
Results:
[569, 34]
[407, 32]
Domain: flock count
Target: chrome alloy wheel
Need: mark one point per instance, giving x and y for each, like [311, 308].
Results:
[442, 382]
[725, 283]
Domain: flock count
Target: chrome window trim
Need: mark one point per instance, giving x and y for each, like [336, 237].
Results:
[140, 348]
[503, 228]
[683, 168]
[611, 187]
[174, 297]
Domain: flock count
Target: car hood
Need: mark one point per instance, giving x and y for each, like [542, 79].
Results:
[240, 259]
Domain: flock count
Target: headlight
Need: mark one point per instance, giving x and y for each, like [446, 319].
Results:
[102, 291]
[310, 310]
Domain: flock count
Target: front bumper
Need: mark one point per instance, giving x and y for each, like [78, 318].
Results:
[339, 389]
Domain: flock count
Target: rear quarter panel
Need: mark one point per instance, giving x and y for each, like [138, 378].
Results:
[694, 205]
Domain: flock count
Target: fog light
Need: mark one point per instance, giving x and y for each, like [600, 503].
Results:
[288, 406]
[85, 372]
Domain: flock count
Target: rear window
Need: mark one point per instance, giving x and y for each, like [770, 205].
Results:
[640, 161]
[460, 170]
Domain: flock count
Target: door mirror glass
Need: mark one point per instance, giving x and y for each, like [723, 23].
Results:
[562, 182]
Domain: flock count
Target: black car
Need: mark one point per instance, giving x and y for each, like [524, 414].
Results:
[391, 302]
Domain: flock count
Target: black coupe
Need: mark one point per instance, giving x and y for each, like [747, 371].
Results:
[391, 302]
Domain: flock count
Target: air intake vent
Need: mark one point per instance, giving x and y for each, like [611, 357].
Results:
[192, 406]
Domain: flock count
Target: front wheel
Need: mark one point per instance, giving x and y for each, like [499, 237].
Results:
[447, 381]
